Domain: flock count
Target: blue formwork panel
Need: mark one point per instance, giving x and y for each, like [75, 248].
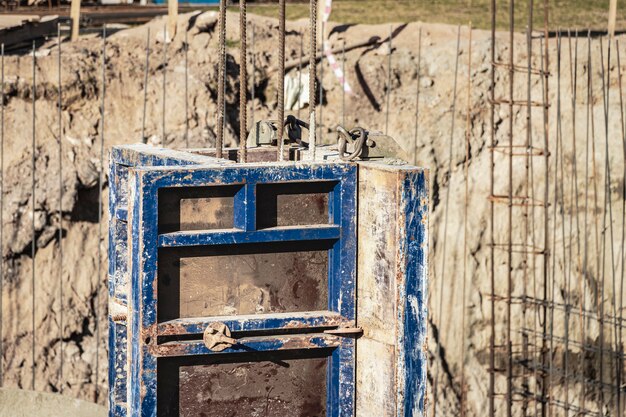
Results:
[293, 227]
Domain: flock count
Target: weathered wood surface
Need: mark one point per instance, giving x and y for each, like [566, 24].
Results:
[392, 274]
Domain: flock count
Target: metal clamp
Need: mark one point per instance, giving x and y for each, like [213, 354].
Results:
[356, 137]
[217, 337]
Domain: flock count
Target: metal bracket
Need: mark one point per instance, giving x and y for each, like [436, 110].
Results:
[345, 331]
[217, 337]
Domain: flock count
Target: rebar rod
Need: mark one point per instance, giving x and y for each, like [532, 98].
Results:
[60, 229]
[468, 134]
[492, 273]
[606, 89]
[253, 81]
[1, 212]
[243, 83]
[320, 124]
[221, 80]
[545, 62]
[509, 233]
[558, 198]
[442, 274]
[100, 184]
[388, 98]
[343, 86]
[281, 79]
[586, 210]
[33, 237]
[164, 90]
[573, 60]
[187, 87]
[145, 88]
[312, 76]
[620, 411]
[417, 94]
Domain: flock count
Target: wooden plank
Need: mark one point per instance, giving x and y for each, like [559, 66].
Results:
[612, 19]
[172, 19]
[75, 16]
[392, 293]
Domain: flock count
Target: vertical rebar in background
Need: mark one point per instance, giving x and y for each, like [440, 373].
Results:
[468, 135]
[281, 79]
[492, 272]
[312, 75]
[586, 220]
[545, 356]
[573, 59]
[60, 230]
[444, 259]
[100, 182]
[186, 87]
[558, 199]
[145, 88]
[343, 86]
[34, 241]
[529, 210]
[321, 84]
[388, 80]
[606, 89]
[509, 233]
[164, 97]
[1, 211]
[417, 93]
[221, 80]
[243, 83]
[300, 73]
[619, 318]
[253, 81]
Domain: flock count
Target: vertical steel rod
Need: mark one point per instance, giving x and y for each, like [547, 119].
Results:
[444, 259]
[492, 272]
[34, 179]
[619, 318]
[620, 346]
[1, 211]
[186, 87]
[100, 183]
[243, 83]
[468, 136]
[253, 81]
[312, 75]
[221, 80]
[145, 88]
[529, 224]
[60, 230]
[300, 73]
[281, 79]
[417, 94]
[388, 80]
[343, 86]
[545, 385]
[509, 233]
[164, 97]
[585, 269]
[321, 84]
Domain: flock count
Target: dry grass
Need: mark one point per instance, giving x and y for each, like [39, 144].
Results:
[575, 14]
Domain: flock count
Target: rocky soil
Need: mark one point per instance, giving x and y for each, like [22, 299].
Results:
[70, 302]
